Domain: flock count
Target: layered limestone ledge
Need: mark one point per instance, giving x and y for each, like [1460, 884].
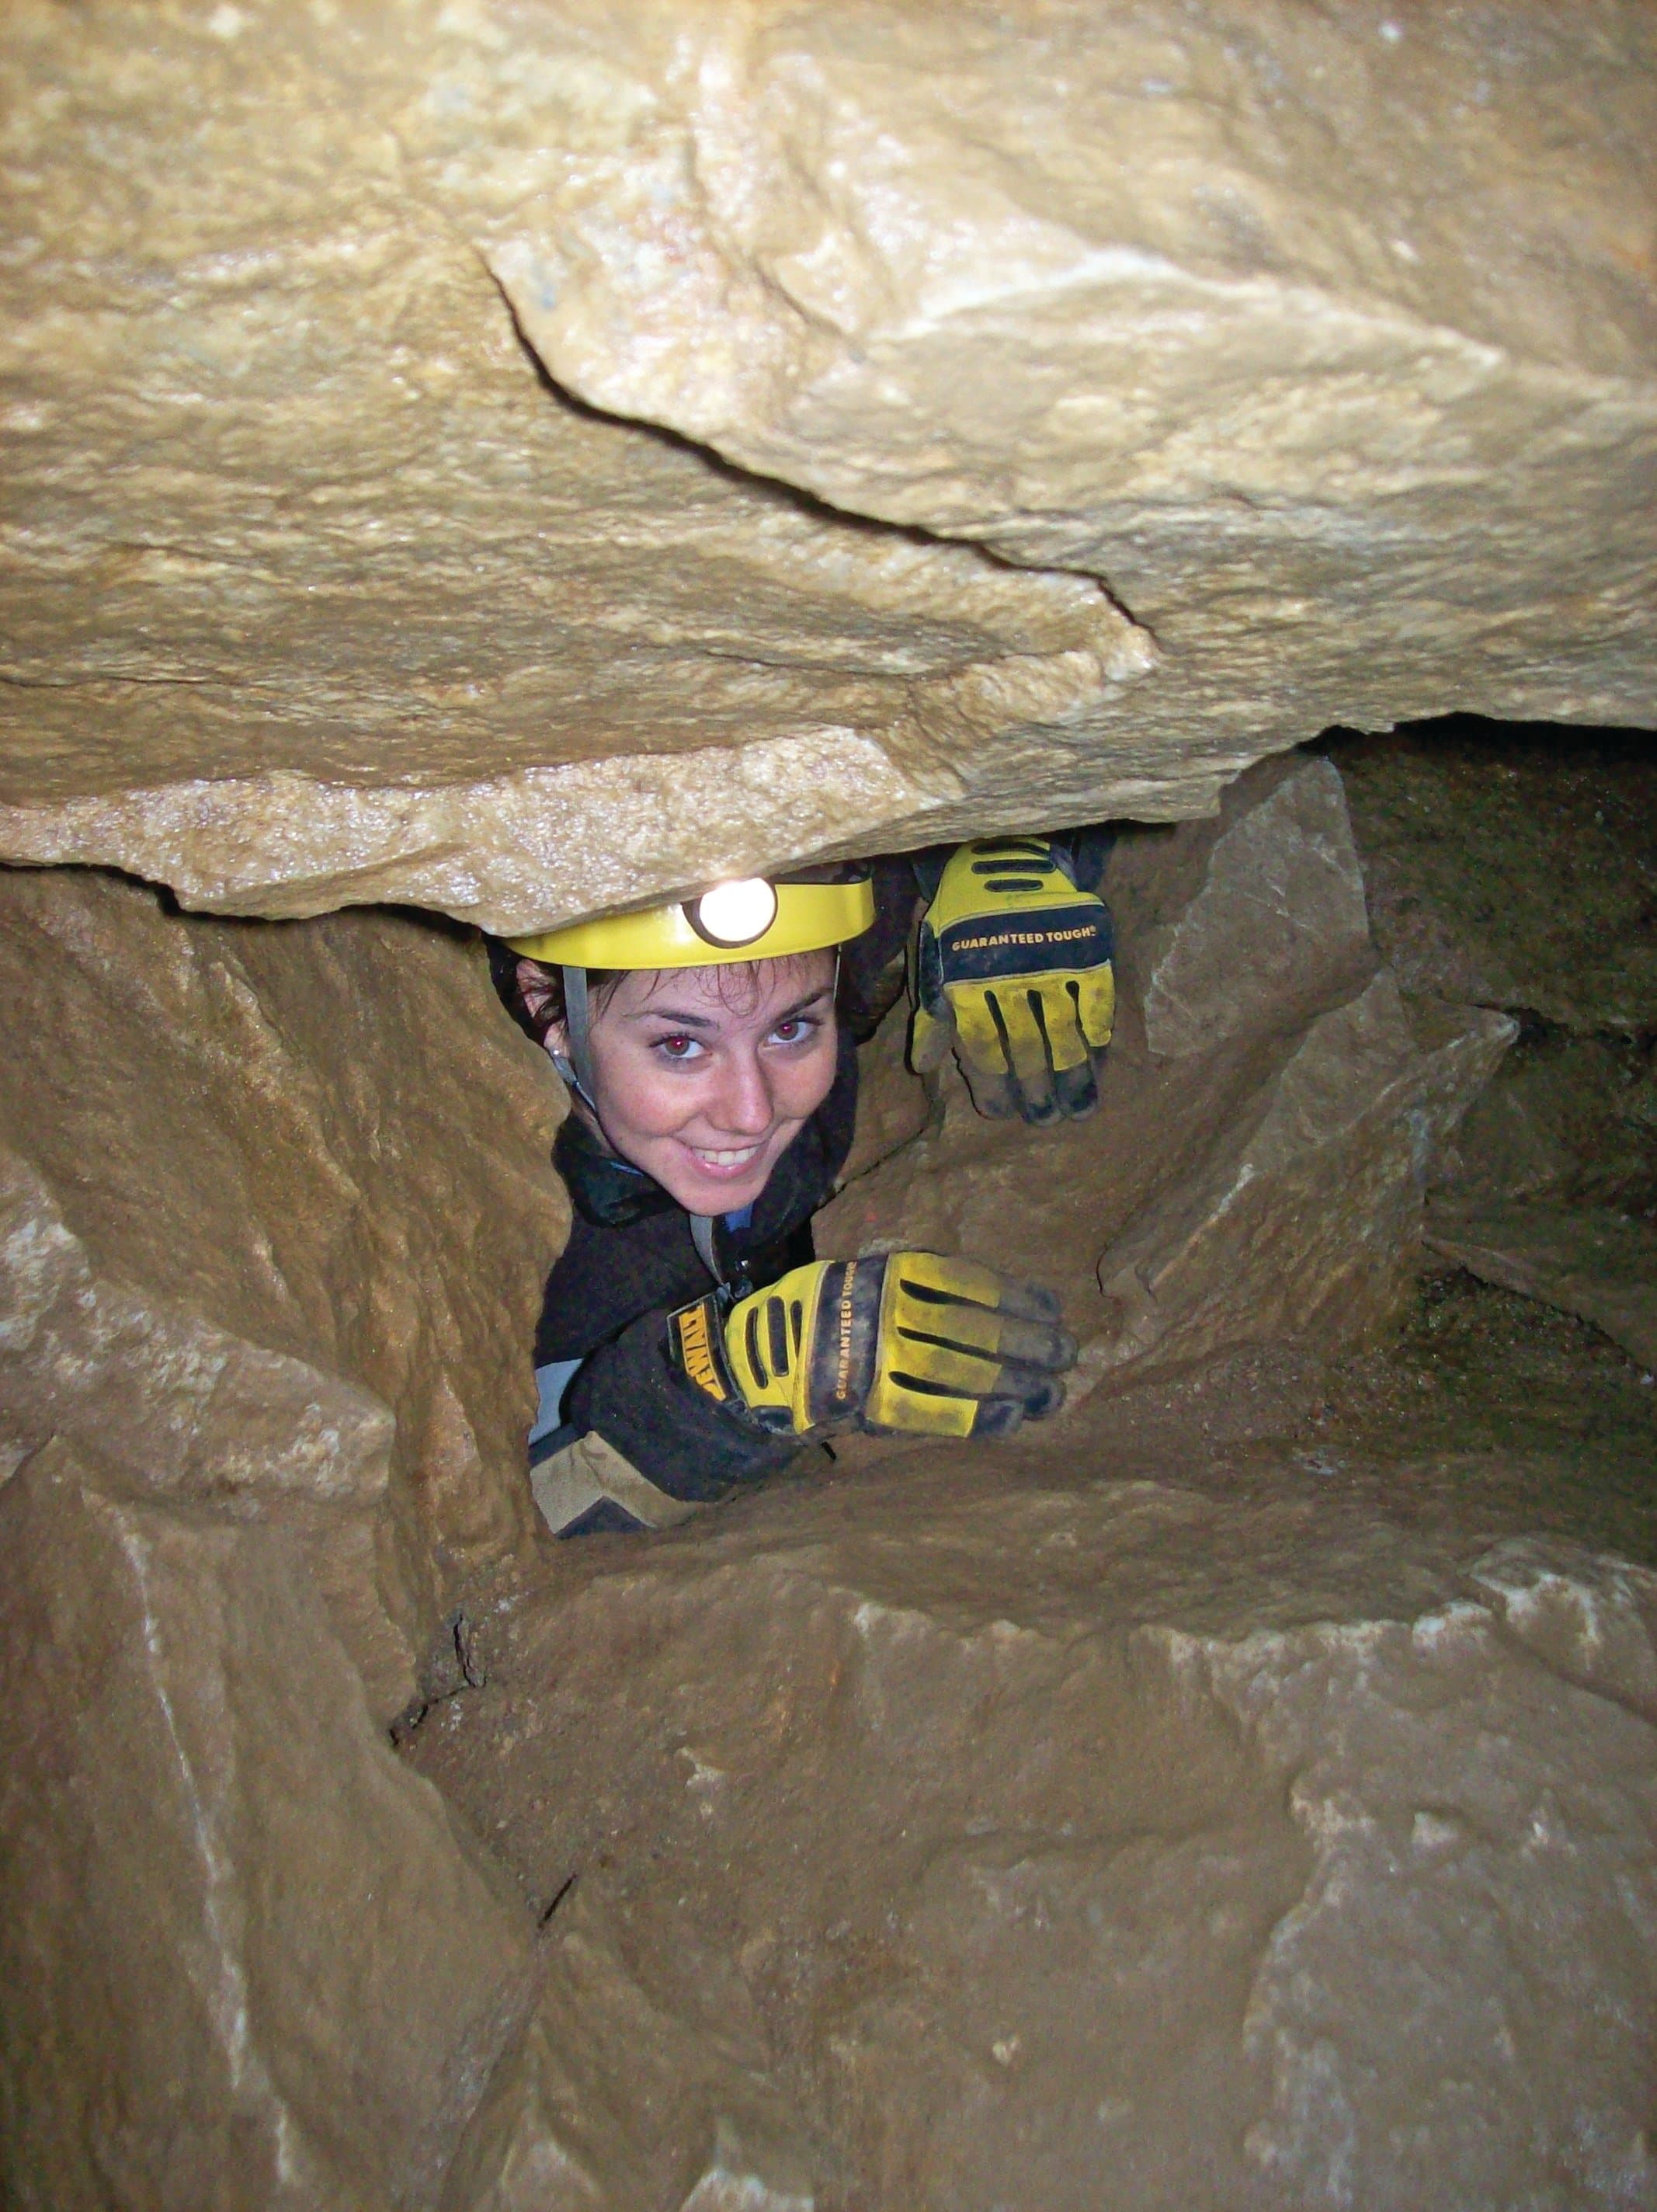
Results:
[1285, 372]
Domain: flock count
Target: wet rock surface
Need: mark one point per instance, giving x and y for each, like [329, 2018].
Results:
[248, 1959]
[1082, 1843]
[318, 594]
[276, 1218]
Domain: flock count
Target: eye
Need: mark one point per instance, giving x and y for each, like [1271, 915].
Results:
[795, 1030]
[678, 1048]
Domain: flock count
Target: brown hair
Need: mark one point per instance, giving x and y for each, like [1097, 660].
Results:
[537, 1014]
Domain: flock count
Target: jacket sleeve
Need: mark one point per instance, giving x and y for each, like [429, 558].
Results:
[675, 1435]
[872, 966]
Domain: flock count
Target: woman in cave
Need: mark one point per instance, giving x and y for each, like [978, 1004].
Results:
[689, 1340]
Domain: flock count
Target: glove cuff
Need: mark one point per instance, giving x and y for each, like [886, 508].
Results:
[744, 1353]
[795, 1358]
[695, 1349]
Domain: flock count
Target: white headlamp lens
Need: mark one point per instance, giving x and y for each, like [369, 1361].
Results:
[735, 914]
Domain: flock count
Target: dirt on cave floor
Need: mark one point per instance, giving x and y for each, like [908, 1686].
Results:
[1478, 1412]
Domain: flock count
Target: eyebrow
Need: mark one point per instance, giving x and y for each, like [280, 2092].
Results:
[682, 1019]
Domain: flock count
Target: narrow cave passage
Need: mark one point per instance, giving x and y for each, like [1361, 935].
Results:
[474, 470]
[1511, 868]
[944, 1809]
[941, 1812]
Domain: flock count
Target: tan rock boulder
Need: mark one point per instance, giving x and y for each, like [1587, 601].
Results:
[1076, 1842]
[1326, 346]
[248, 1960]
[321, 596]
[1324, 340]
[619, 2094]
[1237, 925]
[274, 1233]
[1269, 1114]
[1303, 1222]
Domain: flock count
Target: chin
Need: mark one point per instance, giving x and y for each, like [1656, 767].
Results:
[716, 1198]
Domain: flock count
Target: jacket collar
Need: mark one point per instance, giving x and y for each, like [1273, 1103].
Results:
[605, 1191]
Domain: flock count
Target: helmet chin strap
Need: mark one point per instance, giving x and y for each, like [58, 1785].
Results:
[577, 1072]
[577, 1068]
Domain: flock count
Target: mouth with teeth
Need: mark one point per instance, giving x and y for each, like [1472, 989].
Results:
[732, 1162]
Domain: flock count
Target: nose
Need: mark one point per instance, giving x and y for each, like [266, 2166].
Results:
[741, 1105]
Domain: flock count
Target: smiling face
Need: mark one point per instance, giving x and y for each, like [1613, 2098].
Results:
[703, 1076]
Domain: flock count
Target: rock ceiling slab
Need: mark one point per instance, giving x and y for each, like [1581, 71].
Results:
[1271, 370]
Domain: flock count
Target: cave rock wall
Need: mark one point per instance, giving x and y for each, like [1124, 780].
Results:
[277, 1211]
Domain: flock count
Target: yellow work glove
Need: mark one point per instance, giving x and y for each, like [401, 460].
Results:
[1012, 968]
[905, 1341]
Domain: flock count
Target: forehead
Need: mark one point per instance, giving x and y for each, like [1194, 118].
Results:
[743, 991]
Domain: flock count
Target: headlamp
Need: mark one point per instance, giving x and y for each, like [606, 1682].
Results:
[750, 918]
[733, 914]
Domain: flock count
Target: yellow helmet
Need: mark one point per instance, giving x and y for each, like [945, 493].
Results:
[755, 918]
